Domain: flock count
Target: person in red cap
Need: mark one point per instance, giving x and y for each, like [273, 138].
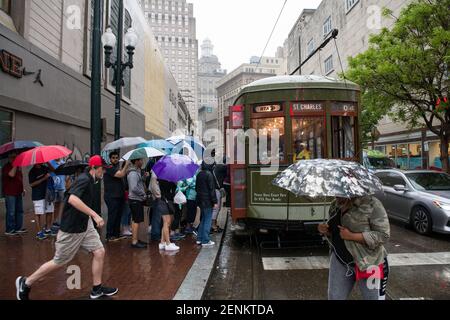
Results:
[77, 231]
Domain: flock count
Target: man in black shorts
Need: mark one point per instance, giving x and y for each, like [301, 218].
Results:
[77, 231]
[136, 198]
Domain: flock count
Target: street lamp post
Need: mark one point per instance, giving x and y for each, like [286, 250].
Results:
[109, 42]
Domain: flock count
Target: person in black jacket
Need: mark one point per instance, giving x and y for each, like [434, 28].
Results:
[206, 200]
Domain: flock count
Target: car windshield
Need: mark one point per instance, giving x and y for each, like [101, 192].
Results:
[381, 163]
[430, 180]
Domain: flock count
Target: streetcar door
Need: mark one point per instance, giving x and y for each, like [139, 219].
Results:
[238, 173]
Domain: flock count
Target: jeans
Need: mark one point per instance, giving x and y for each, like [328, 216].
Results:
[341, 281]
[205, 225]
[156, 222]
[126, 215]
[115, 209]
[191, 211]
[14, 213]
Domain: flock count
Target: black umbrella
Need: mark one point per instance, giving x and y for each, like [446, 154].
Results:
[70, 168]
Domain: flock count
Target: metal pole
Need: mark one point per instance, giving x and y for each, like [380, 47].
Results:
[119, 74]
[96, 138]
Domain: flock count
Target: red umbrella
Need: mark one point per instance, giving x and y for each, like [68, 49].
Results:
[40, 155]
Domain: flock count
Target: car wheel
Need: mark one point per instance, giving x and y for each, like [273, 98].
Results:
[421, 220]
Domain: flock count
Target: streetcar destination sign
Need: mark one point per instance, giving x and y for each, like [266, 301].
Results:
[307, 107]
[343, 107]
[269, 108]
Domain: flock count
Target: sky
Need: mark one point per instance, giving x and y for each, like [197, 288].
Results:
[240, 29]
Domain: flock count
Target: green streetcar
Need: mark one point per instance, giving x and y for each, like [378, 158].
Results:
[316, 117]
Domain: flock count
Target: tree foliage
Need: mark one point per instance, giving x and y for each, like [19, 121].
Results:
[405, 71]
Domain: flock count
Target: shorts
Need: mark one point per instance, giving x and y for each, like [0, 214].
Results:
[41, 207]
[59, 196]
[161, 207]
[137, 211]
[68, 244]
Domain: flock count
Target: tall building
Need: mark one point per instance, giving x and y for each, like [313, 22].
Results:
[209, 73]
[356, 20]
[229, 86]
[174, 26]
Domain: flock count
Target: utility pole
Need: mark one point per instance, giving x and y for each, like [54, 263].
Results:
[96, 136]
[119, 72]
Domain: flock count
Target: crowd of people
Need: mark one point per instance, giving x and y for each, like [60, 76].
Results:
[131, 191]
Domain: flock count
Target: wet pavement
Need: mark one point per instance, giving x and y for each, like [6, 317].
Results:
[140, 274]
[243, 272]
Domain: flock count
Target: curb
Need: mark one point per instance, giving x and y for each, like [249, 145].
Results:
[196, 280]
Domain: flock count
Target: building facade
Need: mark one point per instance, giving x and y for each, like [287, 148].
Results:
[356, 20]
[209, 73]
[174, 26]
[45, 88]
[229, 86]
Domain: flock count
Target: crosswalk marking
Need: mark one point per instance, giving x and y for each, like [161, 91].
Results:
[323, 262]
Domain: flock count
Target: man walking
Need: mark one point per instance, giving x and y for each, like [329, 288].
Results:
[77, 231]
[60, 189]
[12, 182]
[114, 195]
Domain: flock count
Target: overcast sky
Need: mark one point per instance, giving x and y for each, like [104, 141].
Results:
[239, 29]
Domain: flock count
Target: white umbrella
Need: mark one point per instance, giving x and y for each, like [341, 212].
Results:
[124, 143]
[142, 153]
[186, 149]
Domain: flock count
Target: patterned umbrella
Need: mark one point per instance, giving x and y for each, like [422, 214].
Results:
[40, 155]
[18, 146]
[175, 168]
[328, 178]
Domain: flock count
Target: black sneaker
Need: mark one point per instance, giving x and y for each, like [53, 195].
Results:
[11, 233]
[103, 292]
[139, 245]
[22, 289]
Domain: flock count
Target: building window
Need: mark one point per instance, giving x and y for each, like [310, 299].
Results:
[329, 65]
[5, 5]
[310, 47]
[349, 4]
[327, 27]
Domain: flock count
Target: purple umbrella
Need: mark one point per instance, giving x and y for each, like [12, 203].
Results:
[175, 167]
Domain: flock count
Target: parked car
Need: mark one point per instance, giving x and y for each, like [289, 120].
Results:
[420, 198]
[375, 160]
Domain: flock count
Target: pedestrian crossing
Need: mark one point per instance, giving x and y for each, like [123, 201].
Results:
[323, 262]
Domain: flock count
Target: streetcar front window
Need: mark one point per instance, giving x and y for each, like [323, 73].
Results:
[343, 136]
[266, 129]
[307, 137]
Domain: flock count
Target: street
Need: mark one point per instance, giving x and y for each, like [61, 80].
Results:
[420, 269]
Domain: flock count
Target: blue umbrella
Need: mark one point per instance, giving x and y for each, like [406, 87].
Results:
[158, 144]
[175, 168]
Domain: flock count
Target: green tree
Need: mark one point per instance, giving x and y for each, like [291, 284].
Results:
[405, 71]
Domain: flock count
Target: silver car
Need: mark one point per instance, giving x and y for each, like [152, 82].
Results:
[420, 198]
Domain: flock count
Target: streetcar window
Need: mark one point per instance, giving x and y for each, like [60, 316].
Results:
[307, 138]
[265, 128]
[343, 137]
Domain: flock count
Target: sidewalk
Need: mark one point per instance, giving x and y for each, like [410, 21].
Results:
[139, 274]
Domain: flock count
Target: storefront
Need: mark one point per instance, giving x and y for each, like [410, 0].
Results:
[418, 149]
[43, 100]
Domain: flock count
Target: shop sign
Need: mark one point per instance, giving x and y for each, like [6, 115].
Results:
[299, 107]
[13, 65]
[269, 108]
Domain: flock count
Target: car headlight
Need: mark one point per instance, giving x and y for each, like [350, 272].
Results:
[442, 205]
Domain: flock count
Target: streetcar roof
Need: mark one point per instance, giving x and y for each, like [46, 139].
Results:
[298, 82]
